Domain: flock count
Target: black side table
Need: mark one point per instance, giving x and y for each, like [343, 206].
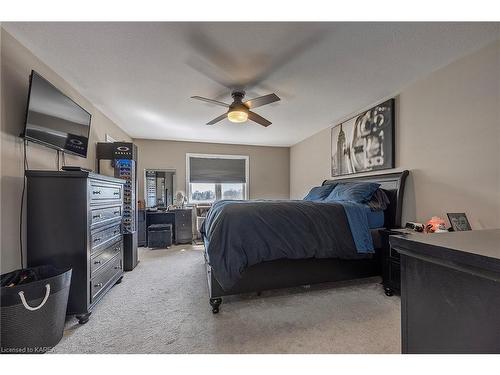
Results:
[391, 268]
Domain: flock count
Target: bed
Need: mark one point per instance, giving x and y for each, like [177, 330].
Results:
[303, 267]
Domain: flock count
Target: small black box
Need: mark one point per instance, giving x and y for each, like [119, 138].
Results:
[160, 235]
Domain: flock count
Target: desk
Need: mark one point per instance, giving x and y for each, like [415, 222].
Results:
[450, 292]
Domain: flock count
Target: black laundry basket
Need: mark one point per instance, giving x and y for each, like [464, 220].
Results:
[33, 312]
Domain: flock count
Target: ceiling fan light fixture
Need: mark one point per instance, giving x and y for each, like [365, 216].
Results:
[239, 111]
[237, 116]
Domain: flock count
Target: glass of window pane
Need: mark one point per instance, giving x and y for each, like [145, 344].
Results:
[232, 191]
[202, 193]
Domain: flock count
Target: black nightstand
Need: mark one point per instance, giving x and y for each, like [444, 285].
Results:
[391, 269]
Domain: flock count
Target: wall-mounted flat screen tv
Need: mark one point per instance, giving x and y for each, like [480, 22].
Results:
[55, 120]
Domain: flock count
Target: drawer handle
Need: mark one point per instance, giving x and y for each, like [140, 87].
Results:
[116, 231]
[99, 285]
[116, 213]
[118, 267]
[96, 192]
[97, 262]
[116, 193]
[97, 239]
[97, 216]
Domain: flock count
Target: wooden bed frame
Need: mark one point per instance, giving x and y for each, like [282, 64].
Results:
[286, 273]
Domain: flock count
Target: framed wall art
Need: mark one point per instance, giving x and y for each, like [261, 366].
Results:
[365, 142]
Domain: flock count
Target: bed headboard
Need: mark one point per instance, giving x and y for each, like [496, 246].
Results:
[393, 185]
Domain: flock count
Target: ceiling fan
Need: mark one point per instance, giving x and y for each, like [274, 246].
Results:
[239, 111]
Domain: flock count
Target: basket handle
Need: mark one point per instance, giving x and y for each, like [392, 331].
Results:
[28, 307]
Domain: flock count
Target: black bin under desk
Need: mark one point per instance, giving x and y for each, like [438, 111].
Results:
[160, 235]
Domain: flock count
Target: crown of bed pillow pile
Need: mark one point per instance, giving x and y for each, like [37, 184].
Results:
[319, 193]
[368, 193]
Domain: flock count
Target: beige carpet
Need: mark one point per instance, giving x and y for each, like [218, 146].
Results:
[162, 307]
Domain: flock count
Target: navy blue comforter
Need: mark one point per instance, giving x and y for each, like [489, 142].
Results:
[239, 234]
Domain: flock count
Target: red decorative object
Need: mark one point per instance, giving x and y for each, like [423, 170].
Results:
[434, 223]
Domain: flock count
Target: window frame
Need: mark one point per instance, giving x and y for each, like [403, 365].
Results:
[218, 188]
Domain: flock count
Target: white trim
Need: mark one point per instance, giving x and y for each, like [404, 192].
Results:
[110, 139]
[219, 156]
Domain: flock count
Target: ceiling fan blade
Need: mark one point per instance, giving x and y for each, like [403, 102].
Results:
[217, 119]
[290, 54]
[212, 101]
[210, 71]
[258, 119]
[262, 100]
[211, 58]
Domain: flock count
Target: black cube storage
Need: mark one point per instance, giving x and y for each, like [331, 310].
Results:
[160, 235]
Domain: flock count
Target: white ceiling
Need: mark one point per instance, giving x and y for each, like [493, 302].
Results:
[141, 75]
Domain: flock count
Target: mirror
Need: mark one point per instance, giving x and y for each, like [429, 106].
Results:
[159, 188]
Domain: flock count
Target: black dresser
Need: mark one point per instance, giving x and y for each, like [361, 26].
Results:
[74, 219]
[450, 292]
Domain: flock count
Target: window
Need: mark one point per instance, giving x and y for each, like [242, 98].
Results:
[233, 191]
[210, 178]
[202, 193]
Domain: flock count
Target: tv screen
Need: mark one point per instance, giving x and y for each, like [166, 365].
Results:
[55, 120]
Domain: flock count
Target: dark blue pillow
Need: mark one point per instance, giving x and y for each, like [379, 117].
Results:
[359, 192]
[318, 193]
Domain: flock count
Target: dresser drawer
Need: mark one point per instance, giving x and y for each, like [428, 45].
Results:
[105, 215]
[101, 258]
[182, 217]
[104, 192]
[183, 227]
[105, 277]
[183, 235]
[101, 237]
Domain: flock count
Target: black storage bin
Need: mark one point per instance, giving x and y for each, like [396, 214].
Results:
[33, 312]
[160, 235]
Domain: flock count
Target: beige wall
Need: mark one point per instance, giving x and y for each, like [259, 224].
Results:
[269, 166]
[16, 65]
[447, 134]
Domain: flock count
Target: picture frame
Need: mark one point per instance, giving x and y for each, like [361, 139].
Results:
[459, 221]
[365, 142]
